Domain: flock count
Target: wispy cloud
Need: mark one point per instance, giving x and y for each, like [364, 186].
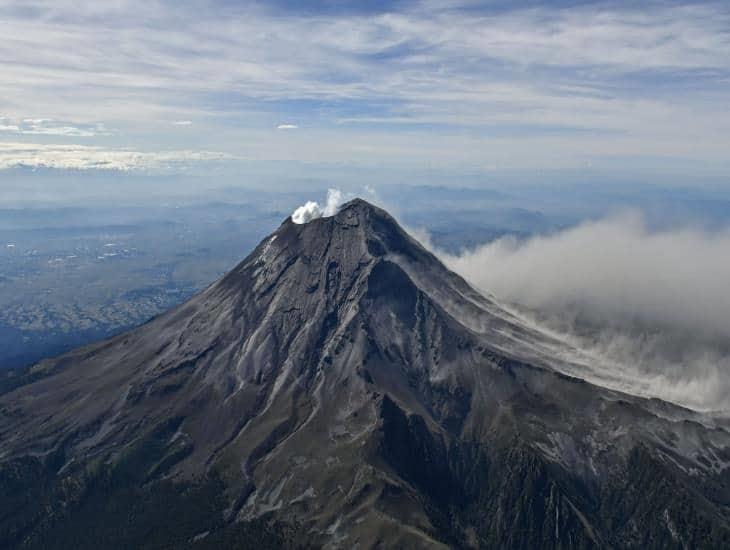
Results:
[51, 127]
[287, 127]
[83, 157]
[647, 79]
[7, 126]
[182, 123]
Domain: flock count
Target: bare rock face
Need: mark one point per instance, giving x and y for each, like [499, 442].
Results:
[341, 388]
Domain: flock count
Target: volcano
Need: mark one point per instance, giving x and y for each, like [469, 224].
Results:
[341, 388]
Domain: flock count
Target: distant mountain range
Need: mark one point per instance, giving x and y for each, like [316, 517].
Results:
[341, 388]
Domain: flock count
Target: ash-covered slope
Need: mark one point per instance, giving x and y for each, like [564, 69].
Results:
[342, 388]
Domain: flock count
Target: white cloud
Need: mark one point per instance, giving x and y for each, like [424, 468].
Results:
[81, 157]
[287, 127]
[440, 66]
[182, 123]
[50, 127]
[627, 78]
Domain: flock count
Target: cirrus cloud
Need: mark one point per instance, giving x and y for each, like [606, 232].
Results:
[623, 74]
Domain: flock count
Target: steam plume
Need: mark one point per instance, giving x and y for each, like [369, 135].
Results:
[312, 210]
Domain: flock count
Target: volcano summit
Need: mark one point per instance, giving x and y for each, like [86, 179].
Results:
[341, 388]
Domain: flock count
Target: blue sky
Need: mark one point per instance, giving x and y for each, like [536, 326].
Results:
[489, 89]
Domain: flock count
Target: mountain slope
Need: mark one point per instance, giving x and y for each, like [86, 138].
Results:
[341, 387]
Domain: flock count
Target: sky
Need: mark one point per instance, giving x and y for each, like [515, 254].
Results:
[355, 91]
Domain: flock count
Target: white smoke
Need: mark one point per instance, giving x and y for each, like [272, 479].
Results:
[652, 308]
[307, 212]
[312, 210]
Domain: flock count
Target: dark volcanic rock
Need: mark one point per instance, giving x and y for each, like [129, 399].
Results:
[341, 388]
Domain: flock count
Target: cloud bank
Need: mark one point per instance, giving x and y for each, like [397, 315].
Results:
[651, 310]
[311, 210]
[85, 157]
